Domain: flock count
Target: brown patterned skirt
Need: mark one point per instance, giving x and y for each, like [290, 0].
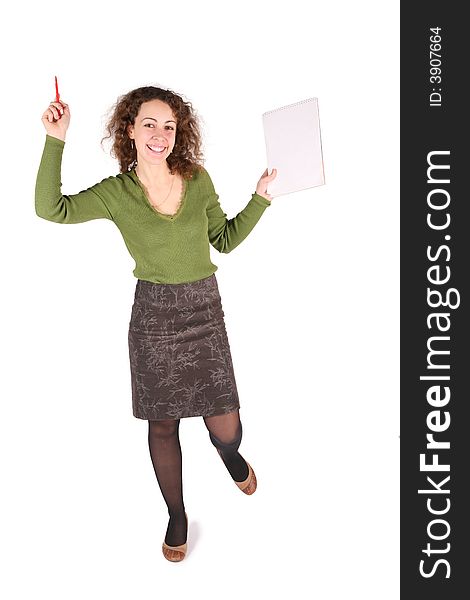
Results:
[180, 359]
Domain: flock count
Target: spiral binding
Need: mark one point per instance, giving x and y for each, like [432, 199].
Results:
[289, 106]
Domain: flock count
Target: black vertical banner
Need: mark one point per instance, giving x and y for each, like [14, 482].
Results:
[435, 332]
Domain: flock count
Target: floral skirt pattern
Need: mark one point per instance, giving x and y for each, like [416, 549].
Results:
[180, 359]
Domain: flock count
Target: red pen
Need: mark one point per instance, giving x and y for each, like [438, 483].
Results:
[57, 95]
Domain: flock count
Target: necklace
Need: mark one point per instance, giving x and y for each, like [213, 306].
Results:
[168, 195]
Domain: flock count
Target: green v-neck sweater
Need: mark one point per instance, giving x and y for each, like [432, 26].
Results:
[166, 249]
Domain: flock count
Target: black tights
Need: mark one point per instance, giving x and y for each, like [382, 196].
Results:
[225, 432]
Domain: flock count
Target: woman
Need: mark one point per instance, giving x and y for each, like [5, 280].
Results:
[165, 206]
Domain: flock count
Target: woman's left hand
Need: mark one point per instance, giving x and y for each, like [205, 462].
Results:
[262, 187]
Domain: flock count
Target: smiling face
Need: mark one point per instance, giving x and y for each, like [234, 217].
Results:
[154, 132]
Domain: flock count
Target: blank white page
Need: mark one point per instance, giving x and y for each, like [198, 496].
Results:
[293, 147]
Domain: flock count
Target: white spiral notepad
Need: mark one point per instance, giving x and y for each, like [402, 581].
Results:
[293, 147]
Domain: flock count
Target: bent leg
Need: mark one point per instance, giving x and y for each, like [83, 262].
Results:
[165, 452]
[225, 432]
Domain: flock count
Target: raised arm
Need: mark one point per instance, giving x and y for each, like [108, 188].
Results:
[226, 234]
[95, 202]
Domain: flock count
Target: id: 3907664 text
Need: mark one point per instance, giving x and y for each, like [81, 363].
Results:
[435, 66]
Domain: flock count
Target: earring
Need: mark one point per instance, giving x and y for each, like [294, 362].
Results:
[132, 144]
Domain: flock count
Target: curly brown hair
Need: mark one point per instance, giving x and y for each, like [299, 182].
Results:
[186, 157]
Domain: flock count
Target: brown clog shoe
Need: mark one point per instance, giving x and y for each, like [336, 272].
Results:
[175, 553]
[249, 485]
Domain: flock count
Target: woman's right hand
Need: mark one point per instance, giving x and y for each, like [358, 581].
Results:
[56, 119]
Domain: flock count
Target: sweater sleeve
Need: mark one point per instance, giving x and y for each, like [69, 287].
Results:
[226, 234]
[96, 202]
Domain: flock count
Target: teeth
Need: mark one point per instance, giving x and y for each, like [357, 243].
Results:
[156, 148]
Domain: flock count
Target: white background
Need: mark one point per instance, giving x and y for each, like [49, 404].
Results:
[310, 301]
